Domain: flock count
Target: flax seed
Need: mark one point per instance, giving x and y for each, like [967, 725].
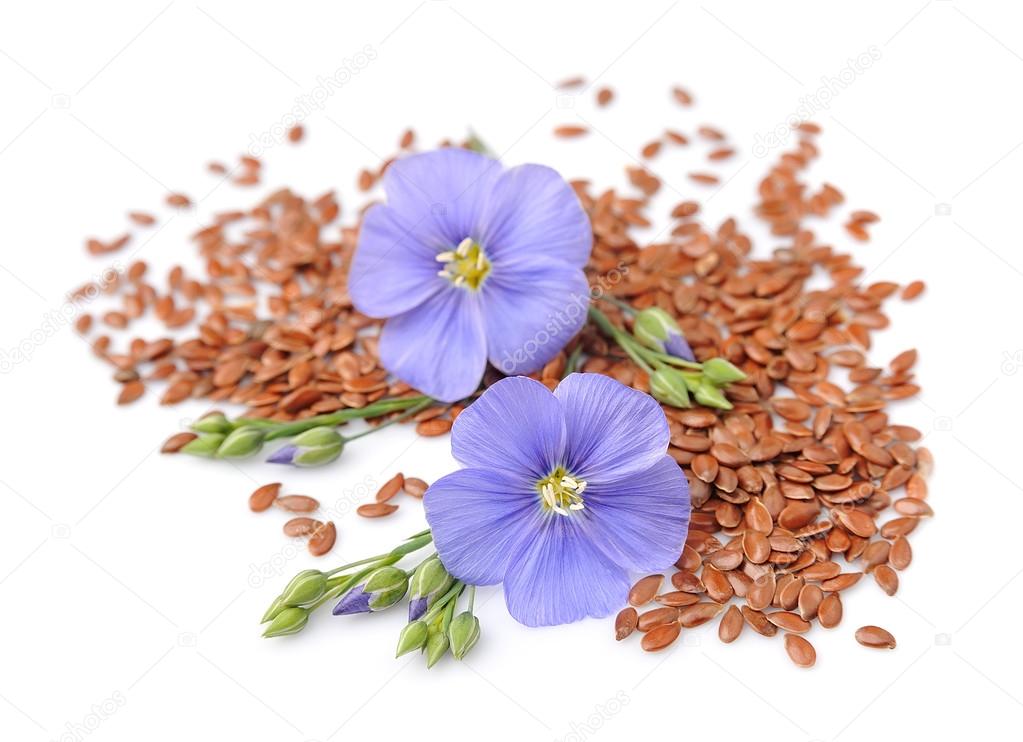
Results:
[875, 637]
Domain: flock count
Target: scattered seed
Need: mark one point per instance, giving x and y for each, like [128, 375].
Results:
[570, 131]
[731, 625]
[913, 290]
[645, 589]
[625, 622]
[415, 487]
[875, 637]
[434, 427]
[391, 487]
[263, 497]
[176, 442]
[800, 651]
[322, 540]
[376, 509]
[300, 526]
[297, 503]
[660, 637]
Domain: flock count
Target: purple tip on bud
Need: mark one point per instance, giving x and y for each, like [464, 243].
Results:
[355, 600]
[283, 455]
[676, 345]
[416, 608]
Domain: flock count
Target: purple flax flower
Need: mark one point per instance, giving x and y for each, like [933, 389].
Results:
[565, 494]
[469, 262]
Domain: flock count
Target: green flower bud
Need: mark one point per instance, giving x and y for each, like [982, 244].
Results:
[721, 372]
[669, 386]
[205, 445]
[386, 586]
[436, 646]
[289, 621]
[463, 634]
[323, 435]
[305, 587]
[659, 331]
[429, 582]
[240, 443]
[275, 608]
[711, 396]
[215, 422]
[314, 447]
[412, 637]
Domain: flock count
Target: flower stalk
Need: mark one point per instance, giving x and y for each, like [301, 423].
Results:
[315, 441]
[658, 347]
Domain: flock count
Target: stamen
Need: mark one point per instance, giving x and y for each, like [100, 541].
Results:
[560, 492]
[465, 266]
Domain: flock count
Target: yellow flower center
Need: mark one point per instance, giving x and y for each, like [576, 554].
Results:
[466, 265]
[561, 492]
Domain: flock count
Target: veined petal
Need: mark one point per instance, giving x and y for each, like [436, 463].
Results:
[441, 194]
[558, 575]
[533, 212]
[392, 270]
[478, 517]
[611, 430]
[516, 425]
[439, 347]
[640, 522]
[532, 312]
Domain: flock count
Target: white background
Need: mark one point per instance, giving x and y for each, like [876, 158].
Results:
[128, 575]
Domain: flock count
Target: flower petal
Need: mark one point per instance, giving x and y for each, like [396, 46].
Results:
[392, 270]
[438, 347]
[516, 426]
[532, 211]
[611, 430]
[441, 194]
[478, 517]
[640, 522]
[532, 312]
[559, 576]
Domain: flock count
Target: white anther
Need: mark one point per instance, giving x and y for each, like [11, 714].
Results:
[459, 280]
[569, 483]
[548, 495]
[560, 510]
[576, 506]
[463, 246]
[445, 257]
[580, 487]
[443, 274]
[480, 261]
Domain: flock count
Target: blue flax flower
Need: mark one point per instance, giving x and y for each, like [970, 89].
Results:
[470, 262]
[565, 494]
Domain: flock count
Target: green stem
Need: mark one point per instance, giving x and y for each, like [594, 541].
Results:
[381, 407]
[441, 603]
[573, 360]
[472, 597]
[620, 304]
[644, 357]
[403, 416]
[349, 581]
